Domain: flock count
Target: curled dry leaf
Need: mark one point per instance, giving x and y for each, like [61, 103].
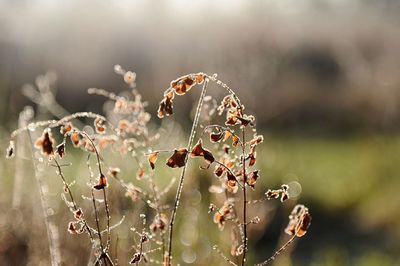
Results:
[183, 84]
[198, 150]
[152, 157]
[252, 178]
[252, 156]
[178, 159]
[299, 221]
[45, 143]
[102, 182]
[231, 183]
[166, 108]
[276, 193]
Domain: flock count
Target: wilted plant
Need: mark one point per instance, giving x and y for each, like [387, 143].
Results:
[124, 131]
[234, 167]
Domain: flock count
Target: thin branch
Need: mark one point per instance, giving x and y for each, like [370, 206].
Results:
[180, 186]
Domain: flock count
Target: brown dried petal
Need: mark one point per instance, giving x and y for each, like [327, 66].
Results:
[178, 159]
[152, 159]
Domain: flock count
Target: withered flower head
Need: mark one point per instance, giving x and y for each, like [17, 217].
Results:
[178, 159]
[152, 157]
[299, 221]
[102, 182]
[45, 143]
[198, 150]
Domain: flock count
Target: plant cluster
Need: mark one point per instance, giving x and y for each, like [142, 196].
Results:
[227, 149]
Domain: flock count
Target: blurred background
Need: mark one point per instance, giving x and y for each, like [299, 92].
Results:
[322, 78]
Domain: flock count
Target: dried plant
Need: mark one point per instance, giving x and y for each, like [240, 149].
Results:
[124, 131]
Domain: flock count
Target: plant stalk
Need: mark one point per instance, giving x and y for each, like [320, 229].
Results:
[182, 177]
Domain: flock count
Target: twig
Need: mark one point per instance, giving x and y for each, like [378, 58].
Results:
[180, 186]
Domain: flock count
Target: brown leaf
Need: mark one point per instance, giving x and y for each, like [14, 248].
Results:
[178, 159]
[152, 159]
[299, 221]
[252, 178]
[217, 136]
[102, 182]
[183, 84]
[235, 140]
[252, 156]
[45, 143]
[61, 149]
[198, 150]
